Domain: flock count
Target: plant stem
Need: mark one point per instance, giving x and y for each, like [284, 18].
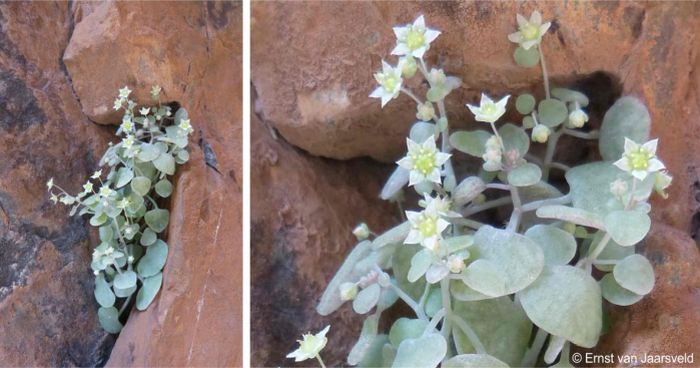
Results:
[556, 343]
[545, 75]
[533, 352]
[446, 305]
[126, 303]
[467, 222]
[410, 94]
[486, 206]
[583, 135]
[434, 322]
[320, 361]
[471, 335]
[517, 210]
[549, 154]
[411, 303]
[588, 261]
[498, 186]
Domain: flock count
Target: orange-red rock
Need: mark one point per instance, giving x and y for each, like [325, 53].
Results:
[193, 50]
[303, 211]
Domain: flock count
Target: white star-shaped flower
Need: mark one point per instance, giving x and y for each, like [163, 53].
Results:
[49, 184]
[144, 111]
[426, 228]
[124, 92]
[640, 160]
[118, 103]
[414, 39]
[440, 205]
[310, 346]
[530, 31]
[96, 174]
[390, 81]
[489, 111]
[423, 161]
[106, 191]
[185, 125]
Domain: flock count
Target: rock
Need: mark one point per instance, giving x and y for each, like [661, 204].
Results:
[47, 309]
[666, 321]
[196, 320]
[304, 209]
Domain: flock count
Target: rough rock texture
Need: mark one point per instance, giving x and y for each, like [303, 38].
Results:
[193, 50]
[47, 308]
[303, 211]
[313, 71]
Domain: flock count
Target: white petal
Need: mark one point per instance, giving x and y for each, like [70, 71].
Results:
[435, 177]
[474, 109]
[413, 216]
[630, 145]
[414, 177]
[484, 118]
[501, 104]
[385, 98]
[431, 35]
[544, 28]
[623, 164]
[386, 67]
[441, 157]
[528, 44]
[651, 146]
[323, 332]
[420, 22]
[429, 144]
[522, 21]
[414, 237]
[442, 225]
[378, 92]
[419, 52]
[485, 99]
[400, 49]
[405, 163]
[400, 32]
[536, 18]
[516, 37]
[412, 145]
[655, 165]
[639, 174]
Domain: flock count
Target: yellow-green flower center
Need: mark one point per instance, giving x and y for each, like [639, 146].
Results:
[424, 161]
[415, 38]
[427, 226]
[390, 83]
[489, 108]
[638, 159]
[530, 31]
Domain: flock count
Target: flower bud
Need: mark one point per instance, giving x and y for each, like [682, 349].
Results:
[426, 112]
[662, 181]
[348, 291]
[540, 133]
[618, 188]
[570, 227]
[408, 66]
[479, 199]
[578, 118]
[455, 263]
[361, 231]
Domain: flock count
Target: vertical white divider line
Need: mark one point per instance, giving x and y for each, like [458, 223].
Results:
[246, 183]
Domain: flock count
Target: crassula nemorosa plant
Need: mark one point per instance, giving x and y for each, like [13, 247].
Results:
[512, 293]
[121, 199]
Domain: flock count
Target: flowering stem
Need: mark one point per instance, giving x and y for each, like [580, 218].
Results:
[434, 321]
[565, 199]
[588, 261]
[446, 305]
[549, 154]
[498, 186]
[530, 357]
[467, 222]
[545, 75]
[583, 135]
[126, 303]
[471, 335]
[320, 361]
[517, 210]
[486, 206]
[411, 303]
[411, 95]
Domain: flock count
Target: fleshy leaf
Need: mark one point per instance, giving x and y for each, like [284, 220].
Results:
[627, 228]
[165, 163]
[470, 142]
[514, 138]
[141, 185]
[164, 188]
[154, 259]
[474, 361]
[124, 176]
[566, 302]
[486, 277]
[616, 294]
[420, 131]
[420, 263]
[628, 117]
[569, 95]
[406, 328]
[366, 299]
[526, 58]
[103, 292]
[109, 319]
[125, 280]
[330, 300]
[396, 182]
[552, 112]
[148, 152]
[148, 291]
[558, 246]
[635, 274]
[467, 190]
[525, 103]
[395, 235]
[611, 252]
[157, 219]
[525, 175]
[426, 351]
[148, 237]
[364, 342]
[571, 214]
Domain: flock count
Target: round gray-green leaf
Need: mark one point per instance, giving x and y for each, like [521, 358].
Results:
[467, 190]
[106, 233]
[397, 180]
[366, 299]
[569, 95]
[164, 188]
[141, 185]
[165, 163]
[148, 237]
[611, 252]
[148, 152]
[124, 293]
[628, 117]
[525, 175]
[125, 280]
[635, 274]
[420, 263]
[590, 187]
[470, 142]
[525, 103]
[109, 319]
[103, 292]
[461, 291]
[486, 277]
[154, 259]
[157, 219]
[526, 58]
[124, 176]
[420, 131]
[364, 343]
[406, 328]
[514, 138]
[571, 214]
[627, 228]
[552, 112]
[616, 294]
[528, 122]
[565, 301]
[330, 300]
[395, 235]
[425, 352]
[148, 291]
[474, 361]
[558, 246]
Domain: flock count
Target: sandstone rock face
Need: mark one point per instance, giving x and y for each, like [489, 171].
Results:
[193, 50]
[303, 211]
[312, 71]
[47, 309]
